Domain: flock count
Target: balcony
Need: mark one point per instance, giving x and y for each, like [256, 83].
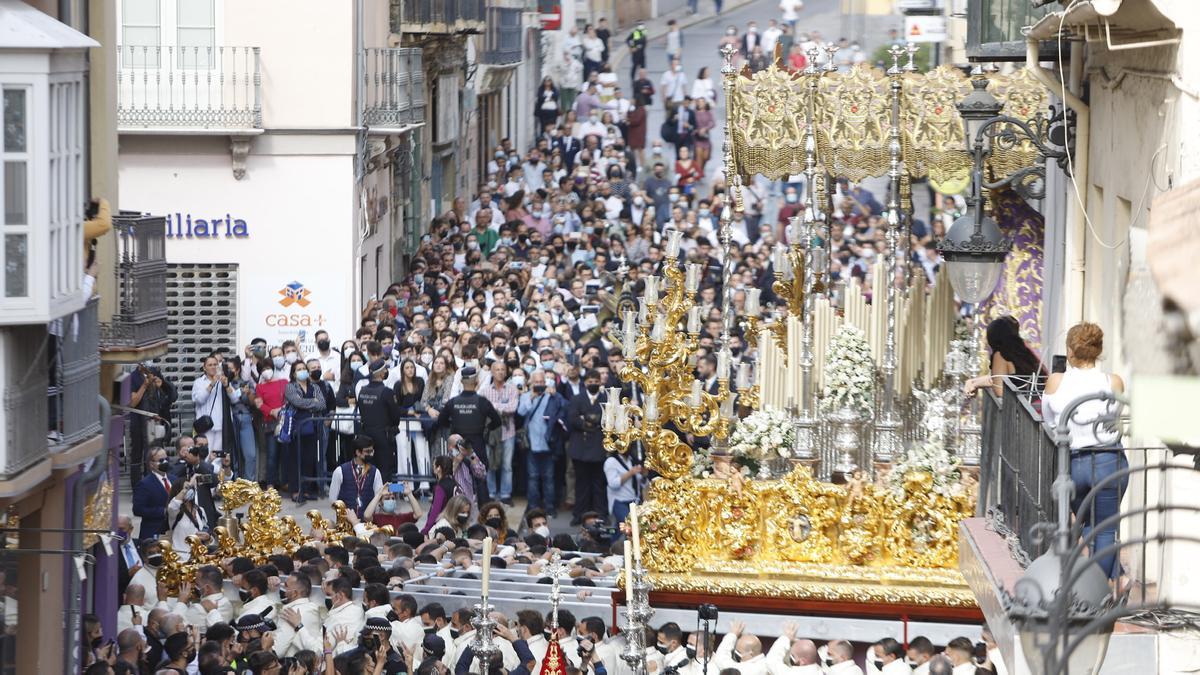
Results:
[139, 321]
[77, 374]
[502, 46]
[25, 375]
[394, 88]
[437, 16]
[167, 89]
[1113, 527]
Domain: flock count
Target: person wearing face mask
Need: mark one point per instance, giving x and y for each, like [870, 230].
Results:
[345, 616]
[385, 507]
[269, 399]
[253, 592]
[330, 358]
[380, 417]
[355, 483]
[740, 650]
[585, 447]
[887, 657]
[147, 574]
[542, 409]
[299, 624]
[840, 659]
[308, 401]
[920, 651]
[213, 395]
[789, 656]
[669, 643]
[185, 518]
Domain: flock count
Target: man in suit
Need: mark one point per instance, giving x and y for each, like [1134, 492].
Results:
[190, 462]
[151, 494]
[569, 147]
[586, 448]
[130, 560]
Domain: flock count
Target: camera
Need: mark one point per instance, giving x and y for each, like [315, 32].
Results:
[708, 612]
[601, 534]
[206, 479]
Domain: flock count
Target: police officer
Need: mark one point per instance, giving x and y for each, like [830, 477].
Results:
[637, 48]
[380, 415]
[472, 417]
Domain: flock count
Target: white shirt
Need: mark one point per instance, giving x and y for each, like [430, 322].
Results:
[897, 667]
[1075, 383]
[997, 662]
[703, 88]
[335, 484]
[847, 668]
[125, 616]
[349, 615]
[410, 632]
[329, 364]
[967, 668]
[777, 661]
[922, 669]
[724, 658]
[146, 578]
[184, 527]
[674, 42]
[674, 85]
[196, 615]
[625, 491]
[208, 401]
[260, 605]
[791, 9]
[289, 640]
[769, 37]
[538, 645]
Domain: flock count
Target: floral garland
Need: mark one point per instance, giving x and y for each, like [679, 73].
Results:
[849, 372]
[762, 435]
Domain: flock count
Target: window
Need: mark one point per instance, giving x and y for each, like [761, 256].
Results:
[15, 172]
[196, 32]
[140, 26]
[994, 28]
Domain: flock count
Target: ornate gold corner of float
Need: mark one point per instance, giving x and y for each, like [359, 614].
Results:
[797, 537]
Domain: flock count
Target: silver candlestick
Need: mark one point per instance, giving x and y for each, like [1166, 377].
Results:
[641, 594]
[888, 443]
[484, 644]
[635, 643]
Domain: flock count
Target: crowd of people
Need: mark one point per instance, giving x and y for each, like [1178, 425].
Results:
[477, 378]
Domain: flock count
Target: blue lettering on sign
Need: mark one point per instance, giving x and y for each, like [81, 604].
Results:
[184, 226]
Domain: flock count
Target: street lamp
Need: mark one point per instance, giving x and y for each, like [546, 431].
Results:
[974, 248]
[1046, 624]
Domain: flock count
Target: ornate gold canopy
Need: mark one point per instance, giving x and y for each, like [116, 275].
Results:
[851, 112]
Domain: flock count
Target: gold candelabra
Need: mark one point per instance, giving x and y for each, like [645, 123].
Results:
[658, 365]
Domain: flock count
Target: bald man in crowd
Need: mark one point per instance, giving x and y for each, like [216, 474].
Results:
[841, 653]
[789, 656]
[740, 650]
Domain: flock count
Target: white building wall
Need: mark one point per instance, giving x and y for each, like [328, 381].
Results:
[296, 202]
[307, 59]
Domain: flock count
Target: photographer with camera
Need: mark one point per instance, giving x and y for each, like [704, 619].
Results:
[586, 448]
[190, 462]
[153, 394]
[213, 395]
[185, 517]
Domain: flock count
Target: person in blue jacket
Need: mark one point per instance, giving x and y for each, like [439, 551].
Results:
[152, 493]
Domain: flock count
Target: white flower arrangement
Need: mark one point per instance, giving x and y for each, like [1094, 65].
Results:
[762, 435]
[849, 372]
[930, 457]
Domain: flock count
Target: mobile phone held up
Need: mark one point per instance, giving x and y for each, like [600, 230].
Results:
[395, 487]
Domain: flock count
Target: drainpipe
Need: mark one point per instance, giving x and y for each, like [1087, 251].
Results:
[1077, 207]
[74, 593]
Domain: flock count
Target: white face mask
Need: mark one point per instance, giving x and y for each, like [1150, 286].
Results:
[542, 530]
[267, 375]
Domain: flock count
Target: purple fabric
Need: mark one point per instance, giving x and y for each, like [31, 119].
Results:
[1019, 292]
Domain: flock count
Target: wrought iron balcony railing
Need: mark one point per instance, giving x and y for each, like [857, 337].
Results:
[173, 88]
[394, 92]
[73, 397]
[140, 318]
[437, 16]
[503, 43]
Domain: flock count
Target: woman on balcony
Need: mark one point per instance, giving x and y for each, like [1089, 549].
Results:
[1010, 356]
[1096, 451]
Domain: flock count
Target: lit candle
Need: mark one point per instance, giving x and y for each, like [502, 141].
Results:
[487, 565]
[691, 281]
[674, 240]
[696, 393]
[743, 376]
[752, 301]
[723, 358]
[628, 576]
[693, 320]
[651, 411]
[637, 532]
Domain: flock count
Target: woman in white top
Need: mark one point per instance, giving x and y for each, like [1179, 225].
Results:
[185, 517]
[1096, 451]
[593, 52]
[703, 87]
